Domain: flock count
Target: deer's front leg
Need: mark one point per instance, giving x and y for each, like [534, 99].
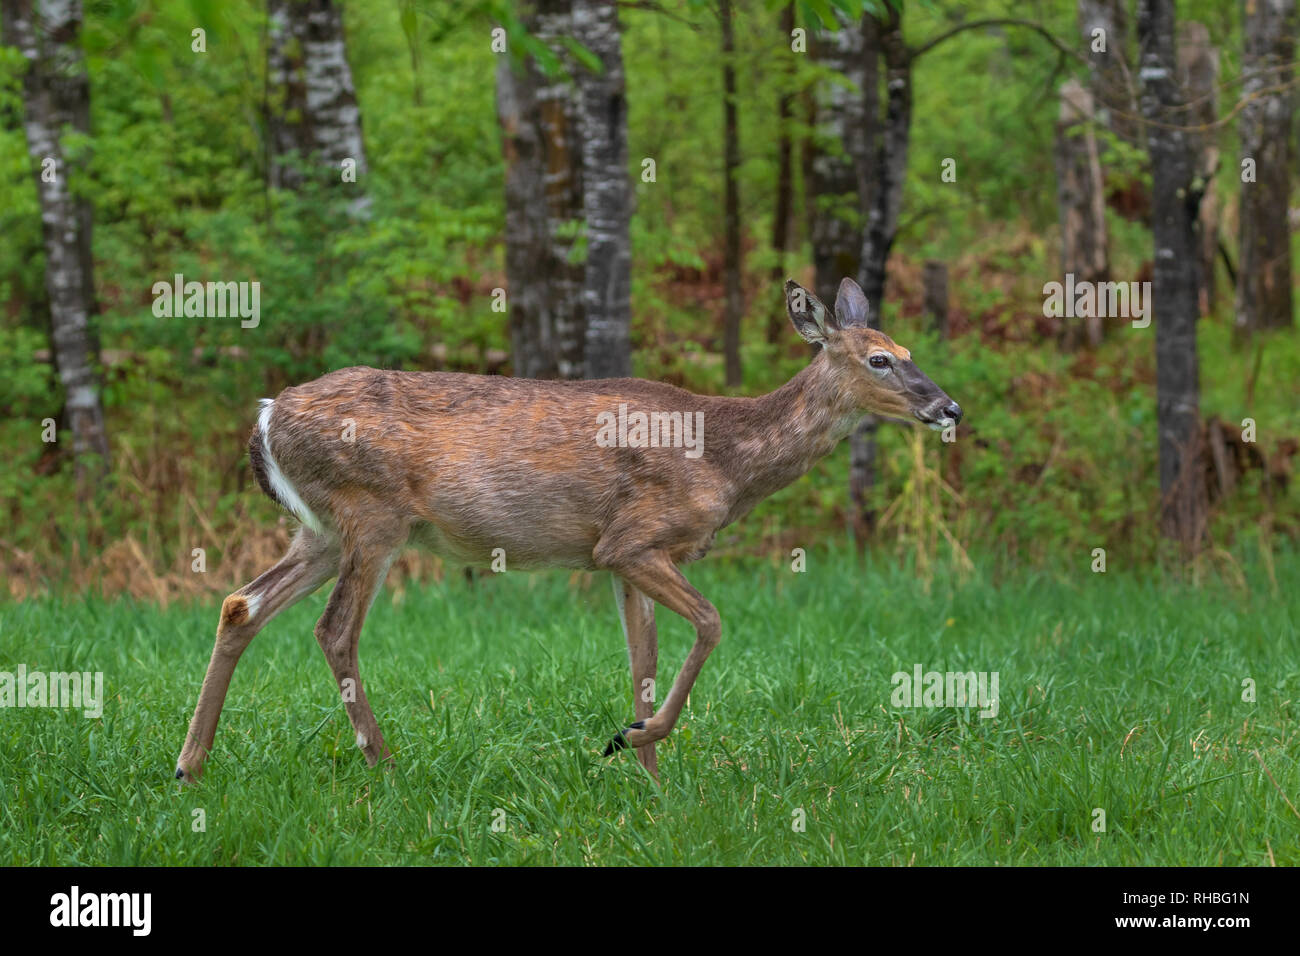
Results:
[655, 576]
[637, 612]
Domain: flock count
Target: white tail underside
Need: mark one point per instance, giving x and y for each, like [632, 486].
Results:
[284, 489]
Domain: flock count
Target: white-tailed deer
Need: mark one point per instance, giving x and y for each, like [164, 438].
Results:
[626, 475]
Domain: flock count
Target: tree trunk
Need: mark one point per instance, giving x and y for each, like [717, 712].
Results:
[734, 303]
[888, 174]
[558, 108]
[842, 186]
[891, 165]
[1173, 215]
[1198, 76]
[527, 232]
[1111, 76]
[1264, 270]
[56, 92]
[314, 122]
[607, 194]
[808, 154]
[845, 152]
[776, 326]
[539, 118]
[1082, 202]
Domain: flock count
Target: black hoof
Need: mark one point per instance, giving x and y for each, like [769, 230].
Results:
[620, 742]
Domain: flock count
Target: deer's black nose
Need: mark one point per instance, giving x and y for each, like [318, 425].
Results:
[952, 410]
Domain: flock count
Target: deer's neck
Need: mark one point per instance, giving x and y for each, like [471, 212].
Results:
[781, 435]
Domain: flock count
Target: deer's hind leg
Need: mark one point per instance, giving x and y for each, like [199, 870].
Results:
[637, 613]
[362, 570]
[312, 559]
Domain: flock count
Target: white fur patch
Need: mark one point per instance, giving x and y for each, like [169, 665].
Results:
[285, 491]
[252, 602]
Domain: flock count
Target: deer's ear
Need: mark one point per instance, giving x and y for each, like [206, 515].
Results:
[851, 308]
[811, 319]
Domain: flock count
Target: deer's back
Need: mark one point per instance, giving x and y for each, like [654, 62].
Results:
[476, 462]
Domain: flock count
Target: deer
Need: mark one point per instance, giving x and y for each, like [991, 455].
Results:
[370, 461]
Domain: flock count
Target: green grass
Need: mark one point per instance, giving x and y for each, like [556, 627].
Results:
[1115, 693]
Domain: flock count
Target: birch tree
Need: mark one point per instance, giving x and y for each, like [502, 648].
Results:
[56, 96]
[844, 148]
[607, 193]
[541, 137]
[314, 121]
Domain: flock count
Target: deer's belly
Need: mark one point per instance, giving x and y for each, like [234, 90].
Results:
[505, 548]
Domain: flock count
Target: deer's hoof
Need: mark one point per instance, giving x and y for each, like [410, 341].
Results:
[620, 742]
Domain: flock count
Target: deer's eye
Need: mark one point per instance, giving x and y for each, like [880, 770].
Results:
[878, 361]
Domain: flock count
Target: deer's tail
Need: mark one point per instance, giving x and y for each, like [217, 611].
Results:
[267, 471]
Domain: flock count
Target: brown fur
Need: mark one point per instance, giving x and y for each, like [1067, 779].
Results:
[467, 464]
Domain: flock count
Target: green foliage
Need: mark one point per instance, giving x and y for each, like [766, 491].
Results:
[1056, 457]
[1057, 454]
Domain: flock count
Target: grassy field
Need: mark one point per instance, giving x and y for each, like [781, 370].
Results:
[1116, 694]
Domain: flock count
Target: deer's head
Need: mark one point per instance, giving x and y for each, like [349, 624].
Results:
[867, 364]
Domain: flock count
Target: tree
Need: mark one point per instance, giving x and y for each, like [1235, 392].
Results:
[1264, 270]
[887, 172]
[607, 193]
[56, 94]
[733, 304]
[1082, 203]
[1103, 25]
[845, 170]
[1198, 76]
[1174, 204]
[843, 150]
[313, 119]
[890, 168]
[781, 217]
[540, 132]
